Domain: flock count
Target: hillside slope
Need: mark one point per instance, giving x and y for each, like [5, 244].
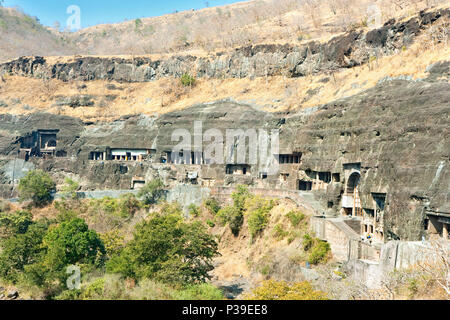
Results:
[22, 35]
[204, 31]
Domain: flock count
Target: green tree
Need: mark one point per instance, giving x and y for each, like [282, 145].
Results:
[152, 192]
[137, 24]
[69, 243]
[193, 210]
[318, 250]
[70, 189]
[258, 214]
[234, 215]
[72, 242]
[36, 186]
[168, 249]
[129, 205]
[21, 250]
[212, 205]
[240, 196]
[14, 223]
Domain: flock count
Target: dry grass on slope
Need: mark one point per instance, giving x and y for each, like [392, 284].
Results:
[268, 255]
[24, 95]
[204, 31]
[240, 24]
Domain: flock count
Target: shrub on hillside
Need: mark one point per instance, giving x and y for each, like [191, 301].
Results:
[281, 290]
[318, 250]
[129, 205]
[319, 253]
[295, 217]
[14, 223]
[258, 214]
[113, 242]
[233, 217]
[21, 249]
[279, 233]
[69, 243]
[152, 192]
[36, 186]
[70, 189]
[168, 249]
[187, 80]
[193, 210]
[111, 287]
[212, 205]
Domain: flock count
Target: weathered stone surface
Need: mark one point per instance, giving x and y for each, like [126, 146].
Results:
[13, 294]
[345, 51]
[398, 131]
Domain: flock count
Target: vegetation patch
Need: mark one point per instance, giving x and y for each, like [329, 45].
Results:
[281, 290]
[318, 251]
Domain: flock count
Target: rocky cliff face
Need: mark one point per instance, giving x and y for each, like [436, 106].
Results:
[393, 137]
[345, 51]
[396, 133]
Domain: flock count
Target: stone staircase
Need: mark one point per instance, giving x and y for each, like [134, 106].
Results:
[345, 228]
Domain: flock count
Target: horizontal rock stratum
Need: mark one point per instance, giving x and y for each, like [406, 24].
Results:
[344, 51]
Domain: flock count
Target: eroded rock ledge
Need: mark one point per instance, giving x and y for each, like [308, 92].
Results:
[345, 51]
[395, 136]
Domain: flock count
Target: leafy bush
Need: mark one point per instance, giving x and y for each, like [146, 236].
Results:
[308, 242]
[70, 189]
[193, 210]
[187, 80]
[112, 287]
[94, 290]
[152, 192]
[72, 242]
[210, 223]
[279, 233]
[295, 217]
[212, 205]
[274, 290]
[203, 291]
[240, 196]
[113, 242]
[129, 205]
[22, 249]
[233, 217]
[168, 249]
[14, 223]
[318, 250]
[258, 213]
[319, 253]
[36, 186]
[69, 243]
[137, 24]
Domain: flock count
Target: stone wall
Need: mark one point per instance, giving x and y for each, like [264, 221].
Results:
[395, 255]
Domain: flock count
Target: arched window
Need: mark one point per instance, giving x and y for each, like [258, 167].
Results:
[353, 182]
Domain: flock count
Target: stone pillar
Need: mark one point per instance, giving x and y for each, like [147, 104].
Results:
[444, 231]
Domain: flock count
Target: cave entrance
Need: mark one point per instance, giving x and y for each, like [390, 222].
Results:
[351, 199]
[304, 185]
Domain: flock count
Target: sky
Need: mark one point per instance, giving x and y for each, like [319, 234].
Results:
[93, 12]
